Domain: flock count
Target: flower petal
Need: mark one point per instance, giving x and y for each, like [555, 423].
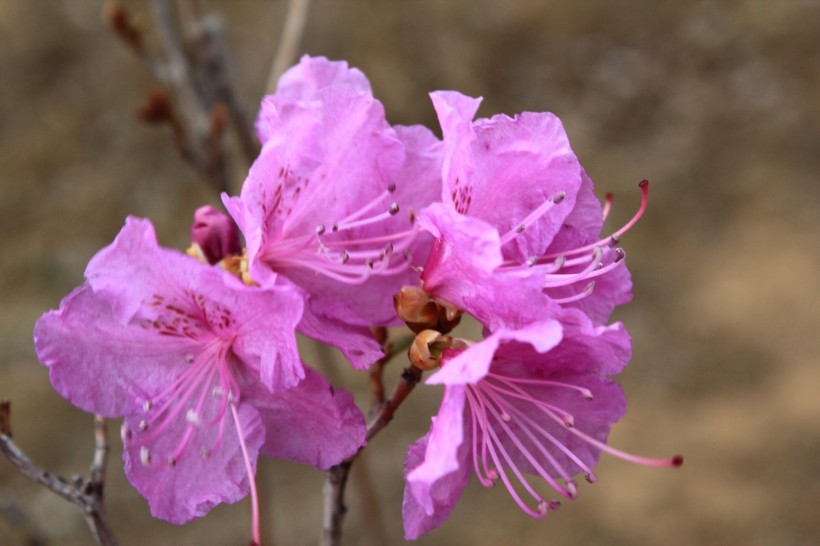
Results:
[472, 364]
[209, 471]
[436, 467]
[312, 423]
[100, 365]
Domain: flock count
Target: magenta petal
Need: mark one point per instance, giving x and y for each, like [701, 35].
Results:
[436, 468]
[210, 470]
[444, 493]
[472, 364]
[97, 363]
[312, 423]
[356, 343]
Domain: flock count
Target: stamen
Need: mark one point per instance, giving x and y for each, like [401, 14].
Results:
[532, 217]
[255, 535]
[145, 456]
[581, 295]
[607, 205]
[675, 461]
[644, 186]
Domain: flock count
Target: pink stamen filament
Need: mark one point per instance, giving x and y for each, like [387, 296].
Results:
[562, 279]
[644, 186]
[645, 461]
[554, 281]
[512, 381]
[339, 227]
[586, 292]
[540, 513]
[607, 205]
[365, 209]
[489, 476]
[503, 406]
[532, 217]
[255, 534]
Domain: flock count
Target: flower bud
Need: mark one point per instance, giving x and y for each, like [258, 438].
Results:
[415, 308]
[214, 233]
[423, 353]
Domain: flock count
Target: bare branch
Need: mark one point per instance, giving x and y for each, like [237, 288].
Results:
[334, 488]
[289, 42]
[86, 494]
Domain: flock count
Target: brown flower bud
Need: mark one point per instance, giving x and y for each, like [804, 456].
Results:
[415, 308]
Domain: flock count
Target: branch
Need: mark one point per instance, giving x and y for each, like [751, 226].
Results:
[334, 488]
[289, 43]
[86, 494]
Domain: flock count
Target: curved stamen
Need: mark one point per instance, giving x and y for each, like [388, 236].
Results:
[519, 444]
[607, 205]
[586, 292]
[255, 535]
[533, 217]
[644, 186]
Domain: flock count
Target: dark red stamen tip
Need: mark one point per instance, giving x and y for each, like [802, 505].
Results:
[644, 184]
[677, 460]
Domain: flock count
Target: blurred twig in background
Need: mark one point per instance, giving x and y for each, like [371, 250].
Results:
[87, 494]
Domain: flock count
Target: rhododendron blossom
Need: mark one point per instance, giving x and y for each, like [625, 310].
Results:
[515, 191]
[329, 204]
[204, 368]
[536, 400]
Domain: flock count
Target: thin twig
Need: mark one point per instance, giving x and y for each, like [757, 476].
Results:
[289, 42]
[334, 488]
[86, 494]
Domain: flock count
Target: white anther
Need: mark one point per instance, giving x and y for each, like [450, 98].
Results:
[146, 406]
[145, 456]
[143, 426]
[192, 417]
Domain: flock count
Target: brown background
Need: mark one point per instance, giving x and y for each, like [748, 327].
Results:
[718, 103]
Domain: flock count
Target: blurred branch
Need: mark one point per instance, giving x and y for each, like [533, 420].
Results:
[199, 94]
[336, 481]
[289, 42]
[86, 494]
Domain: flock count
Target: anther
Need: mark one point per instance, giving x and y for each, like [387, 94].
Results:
[520, 228]
[591, 477]
[543, 508]
[394, 208]
[218, 392]
[146, 406]
[391, 187]
[320, 229]
[531, 261]
[587, 394]
[192, 417]
[614, 240]
[677, 460]
[189, 358]
[345, 257]
[559, 197]
[335, 227]
[172, 462]
[619, 254]
[572, 489]
[555, 504]
[143, 426]
[369, 263]
[145, 456]
[568, 420]
[205, 453]
[506, 417]
[412, 217]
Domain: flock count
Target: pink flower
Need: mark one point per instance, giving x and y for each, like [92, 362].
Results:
[516, 199]
[204, 369]
[329, 202]
[522, 406]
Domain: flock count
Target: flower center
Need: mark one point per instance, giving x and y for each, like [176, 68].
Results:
[343, 252]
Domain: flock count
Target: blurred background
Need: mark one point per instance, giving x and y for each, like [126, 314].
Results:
[717, 103]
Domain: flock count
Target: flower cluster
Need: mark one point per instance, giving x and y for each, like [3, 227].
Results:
[351, 223]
